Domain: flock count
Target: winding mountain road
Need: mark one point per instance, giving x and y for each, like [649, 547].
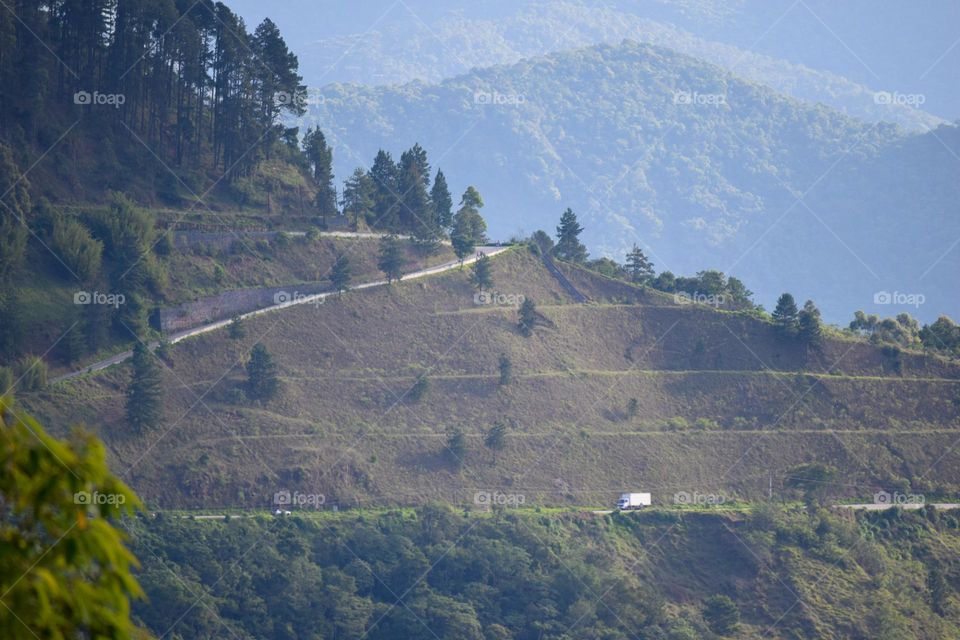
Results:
[173, 338]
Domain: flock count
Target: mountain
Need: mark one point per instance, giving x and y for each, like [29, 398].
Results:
[699, 166]
[633, 389]
[406, 42]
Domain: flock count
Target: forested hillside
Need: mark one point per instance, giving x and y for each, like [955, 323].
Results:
[525, 576]
[164, 100]
[698, 166]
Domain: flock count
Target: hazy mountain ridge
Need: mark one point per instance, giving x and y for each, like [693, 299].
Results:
[660, 148]
[406, 49]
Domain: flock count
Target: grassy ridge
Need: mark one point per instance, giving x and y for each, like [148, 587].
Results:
[727, 417]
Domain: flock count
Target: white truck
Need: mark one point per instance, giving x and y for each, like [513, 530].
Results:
[629, 501]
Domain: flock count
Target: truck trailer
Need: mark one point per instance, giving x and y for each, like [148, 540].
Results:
[630, 501]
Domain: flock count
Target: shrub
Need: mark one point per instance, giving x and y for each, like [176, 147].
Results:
[418, 389]
[80, 252]
[721, 614]
[237, 330]
[32, 372]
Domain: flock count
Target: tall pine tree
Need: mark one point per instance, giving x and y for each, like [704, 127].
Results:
[442, 202]
[262, 381]
[320, 157]
[145, 392]
[568, 238]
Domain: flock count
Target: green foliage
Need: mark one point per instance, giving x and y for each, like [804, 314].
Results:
[496, 437]
[320, 158]
[442, 202]
[262, 381]
[722, 614]
[785, 315]
[390, 259]
[506, 370]
[528, 317]
[64, 569]
[904, 331]
[358, 193]
[340, 274]
[16, 206]
[638, 266]
[633, 407]
[469, 228]
[942, 336]
[814, 480]
[419, 389]
[568, 245]
[456, 448]
[32, 373]
[145, 391]
[809, 325]
[236, 329]
[314, 575]
[481, 273]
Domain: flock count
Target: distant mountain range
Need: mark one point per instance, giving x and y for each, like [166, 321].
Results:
[703, 168]
[850, 55]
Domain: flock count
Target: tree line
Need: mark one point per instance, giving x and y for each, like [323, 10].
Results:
[187, 78]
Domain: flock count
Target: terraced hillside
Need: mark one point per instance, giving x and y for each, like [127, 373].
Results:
[629, 390]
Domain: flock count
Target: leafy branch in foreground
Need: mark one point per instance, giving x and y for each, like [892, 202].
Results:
[64, 569]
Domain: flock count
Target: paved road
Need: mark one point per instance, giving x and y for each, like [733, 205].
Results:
[883, 506]
[213, 326]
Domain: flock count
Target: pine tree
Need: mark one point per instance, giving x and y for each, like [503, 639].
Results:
[358, 193]
[145, 393]
[320, 157]
[340, 274]
[528, 317]
[480, 275]
[506, 370]
[262, 381]
[416, 212]
[442, 202]
[390, 260]
[568, 239]
[469, 227]
[809, 326]
[456, 448]
[496, 437]
[639, 266]
[386, 197]
[785, 314]
[237, 330]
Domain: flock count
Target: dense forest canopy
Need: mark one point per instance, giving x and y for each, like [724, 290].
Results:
[183, 81]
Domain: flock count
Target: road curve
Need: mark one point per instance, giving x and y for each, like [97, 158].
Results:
[175, 337]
